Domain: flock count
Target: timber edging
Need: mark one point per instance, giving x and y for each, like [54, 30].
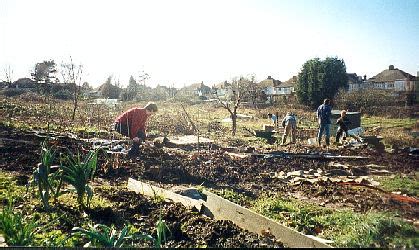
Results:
[219, 208]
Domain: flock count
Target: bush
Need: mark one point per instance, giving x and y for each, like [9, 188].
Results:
[373, 102]
[9, 92]
[63, 94]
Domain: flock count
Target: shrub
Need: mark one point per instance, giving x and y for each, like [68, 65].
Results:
[372, 102]
[63, 94]
[9, 92]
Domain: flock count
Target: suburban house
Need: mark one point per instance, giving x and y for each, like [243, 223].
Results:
[276, 90]
[287, 88]
[223, 90]
[392, 79]
[196, 89]
[355, 82]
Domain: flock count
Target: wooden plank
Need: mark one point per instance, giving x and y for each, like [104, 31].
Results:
[222, 209]
[152, 191]
[189, 140]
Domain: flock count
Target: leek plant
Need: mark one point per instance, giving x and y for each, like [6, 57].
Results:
[103, 236]
[79, 173]
[43, 178]
[16, 232]
[161, 228]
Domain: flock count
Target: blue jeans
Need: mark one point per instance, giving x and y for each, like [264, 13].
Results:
[326, 129]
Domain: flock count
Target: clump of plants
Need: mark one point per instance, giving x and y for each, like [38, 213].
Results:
[47, 182]
[16, 231]
[79, 172]
[101, 235]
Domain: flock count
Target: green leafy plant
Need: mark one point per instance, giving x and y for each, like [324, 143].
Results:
[79, 173]
[43, 178]
[161, 228]
[16, 232]
[103, 236]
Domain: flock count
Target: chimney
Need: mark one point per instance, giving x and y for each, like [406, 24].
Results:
[365, 77]
[269, 77]
[294, 78]
[391, 67]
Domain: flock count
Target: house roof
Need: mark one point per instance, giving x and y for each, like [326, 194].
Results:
[390, 75]
[269, 82]
[290, 82]
[196, 86]
[222, 85]
[353, 78]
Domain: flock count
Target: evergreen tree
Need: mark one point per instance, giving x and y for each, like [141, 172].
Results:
[320, 79]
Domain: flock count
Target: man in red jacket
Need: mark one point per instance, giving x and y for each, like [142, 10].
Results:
[132, 123]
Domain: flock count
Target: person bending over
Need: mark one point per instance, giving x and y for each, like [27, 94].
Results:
[132, 123]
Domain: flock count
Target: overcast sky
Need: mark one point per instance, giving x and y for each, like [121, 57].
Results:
[180, 42]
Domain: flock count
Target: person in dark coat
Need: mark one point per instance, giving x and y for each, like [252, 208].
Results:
[342, 123]
[324, 113]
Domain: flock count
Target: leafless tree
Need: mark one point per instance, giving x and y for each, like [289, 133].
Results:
[231, 102]
[8, 74]
[72, 74]
[143, 76]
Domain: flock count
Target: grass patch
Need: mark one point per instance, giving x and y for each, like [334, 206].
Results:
[405, 185]
[233, 196]
[346, 228]
[9, 190]
[373, 121]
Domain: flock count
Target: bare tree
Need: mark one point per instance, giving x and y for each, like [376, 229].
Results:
[143, 76]
[239, 91]
[8, 74]
[72, 74]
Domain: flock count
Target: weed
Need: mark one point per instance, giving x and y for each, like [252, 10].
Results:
[405, 185]
[346, 228]
[233, 196]
[350, 229]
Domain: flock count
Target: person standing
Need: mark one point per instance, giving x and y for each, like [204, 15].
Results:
[132, 123]
[289, 123]
[324, 113]
[273, 118]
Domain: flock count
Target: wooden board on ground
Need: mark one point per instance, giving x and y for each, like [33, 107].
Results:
[222, 209]
[152, 191]
[188, 140]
